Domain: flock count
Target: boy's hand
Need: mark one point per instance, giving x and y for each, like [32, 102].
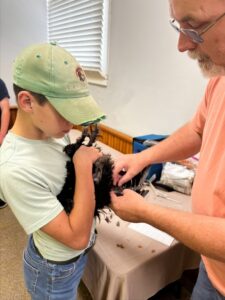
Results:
[86, 156]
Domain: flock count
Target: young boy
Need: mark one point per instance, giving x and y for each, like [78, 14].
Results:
[52, 94]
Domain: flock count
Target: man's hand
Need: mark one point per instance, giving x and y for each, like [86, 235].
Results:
[126, 167]
[86, 156]
[129, 207]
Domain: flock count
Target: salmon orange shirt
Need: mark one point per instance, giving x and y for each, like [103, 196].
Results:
[208, 193]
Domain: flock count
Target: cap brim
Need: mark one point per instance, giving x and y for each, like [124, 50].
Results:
[78, 111]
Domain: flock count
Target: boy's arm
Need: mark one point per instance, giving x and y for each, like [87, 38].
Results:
[74, 230]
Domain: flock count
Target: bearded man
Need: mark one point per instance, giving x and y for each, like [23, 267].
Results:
[201, 28]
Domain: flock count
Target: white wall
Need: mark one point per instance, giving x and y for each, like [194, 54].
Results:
[22, 22]
[152, 87]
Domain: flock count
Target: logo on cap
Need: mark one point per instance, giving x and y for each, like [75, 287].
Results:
[80, 73]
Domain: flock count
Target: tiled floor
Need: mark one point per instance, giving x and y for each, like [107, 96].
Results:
[12, 242]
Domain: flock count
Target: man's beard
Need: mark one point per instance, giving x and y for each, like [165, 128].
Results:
[208, 68]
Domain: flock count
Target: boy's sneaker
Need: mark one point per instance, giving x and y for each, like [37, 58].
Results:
[2, 204]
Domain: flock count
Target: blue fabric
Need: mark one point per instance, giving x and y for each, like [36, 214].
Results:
[47, 281]
[3, 90]
[138, 146]
[203, 289]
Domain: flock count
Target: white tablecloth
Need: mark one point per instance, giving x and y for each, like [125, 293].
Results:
[127, 265]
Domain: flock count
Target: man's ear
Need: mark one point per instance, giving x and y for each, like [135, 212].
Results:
[25, 101]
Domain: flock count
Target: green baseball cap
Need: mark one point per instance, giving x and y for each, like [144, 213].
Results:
[52, 71]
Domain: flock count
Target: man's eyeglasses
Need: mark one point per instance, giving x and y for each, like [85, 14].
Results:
[194, 35]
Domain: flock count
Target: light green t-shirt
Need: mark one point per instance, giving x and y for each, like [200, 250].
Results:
[32, 174]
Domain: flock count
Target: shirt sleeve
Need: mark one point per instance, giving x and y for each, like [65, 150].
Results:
[29, 197]
[199, 119]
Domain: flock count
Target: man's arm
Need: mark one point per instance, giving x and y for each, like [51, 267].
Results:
[204, 234]
[5, 117]
[182, 144]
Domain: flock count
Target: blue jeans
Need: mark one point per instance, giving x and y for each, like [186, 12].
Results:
[48, 281]
[203, 289]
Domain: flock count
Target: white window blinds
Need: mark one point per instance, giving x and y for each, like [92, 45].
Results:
[81, 27]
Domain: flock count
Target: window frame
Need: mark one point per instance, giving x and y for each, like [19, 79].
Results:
[91, 39]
